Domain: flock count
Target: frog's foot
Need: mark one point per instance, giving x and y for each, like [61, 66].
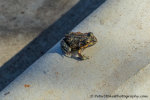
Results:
[82, 57]
[67, 54]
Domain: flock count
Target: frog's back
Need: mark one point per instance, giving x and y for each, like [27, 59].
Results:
[74, 40]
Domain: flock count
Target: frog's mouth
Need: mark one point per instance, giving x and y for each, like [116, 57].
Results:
[92, 43]
[94, 40]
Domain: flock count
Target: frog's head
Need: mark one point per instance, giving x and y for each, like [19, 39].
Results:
[91, 39]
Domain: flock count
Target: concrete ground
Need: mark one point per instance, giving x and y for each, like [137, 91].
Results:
[28, 28]
[23, 20]
[119, 64]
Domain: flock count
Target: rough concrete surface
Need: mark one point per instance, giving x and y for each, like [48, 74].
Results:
[23, 20]
[138, 86]
[117, 61]
[43, 22]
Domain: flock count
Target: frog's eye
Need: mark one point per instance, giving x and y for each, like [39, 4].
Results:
[87, 41]
[90, 34]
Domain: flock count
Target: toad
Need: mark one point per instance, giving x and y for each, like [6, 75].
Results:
[77, 41]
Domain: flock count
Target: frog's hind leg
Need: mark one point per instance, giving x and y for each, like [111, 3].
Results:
[65, 48]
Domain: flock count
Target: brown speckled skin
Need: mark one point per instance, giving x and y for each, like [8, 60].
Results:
[77, 41]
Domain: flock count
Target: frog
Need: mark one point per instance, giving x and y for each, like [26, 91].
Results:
[77, 42]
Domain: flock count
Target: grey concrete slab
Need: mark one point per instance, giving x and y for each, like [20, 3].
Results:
[23, 20]
[122, 52]
[137, 87]
[56, 17]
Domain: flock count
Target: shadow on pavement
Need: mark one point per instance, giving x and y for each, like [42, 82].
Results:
[47, 39]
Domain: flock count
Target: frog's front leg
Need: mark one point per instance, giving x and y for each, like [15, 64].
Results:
[82, 57]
